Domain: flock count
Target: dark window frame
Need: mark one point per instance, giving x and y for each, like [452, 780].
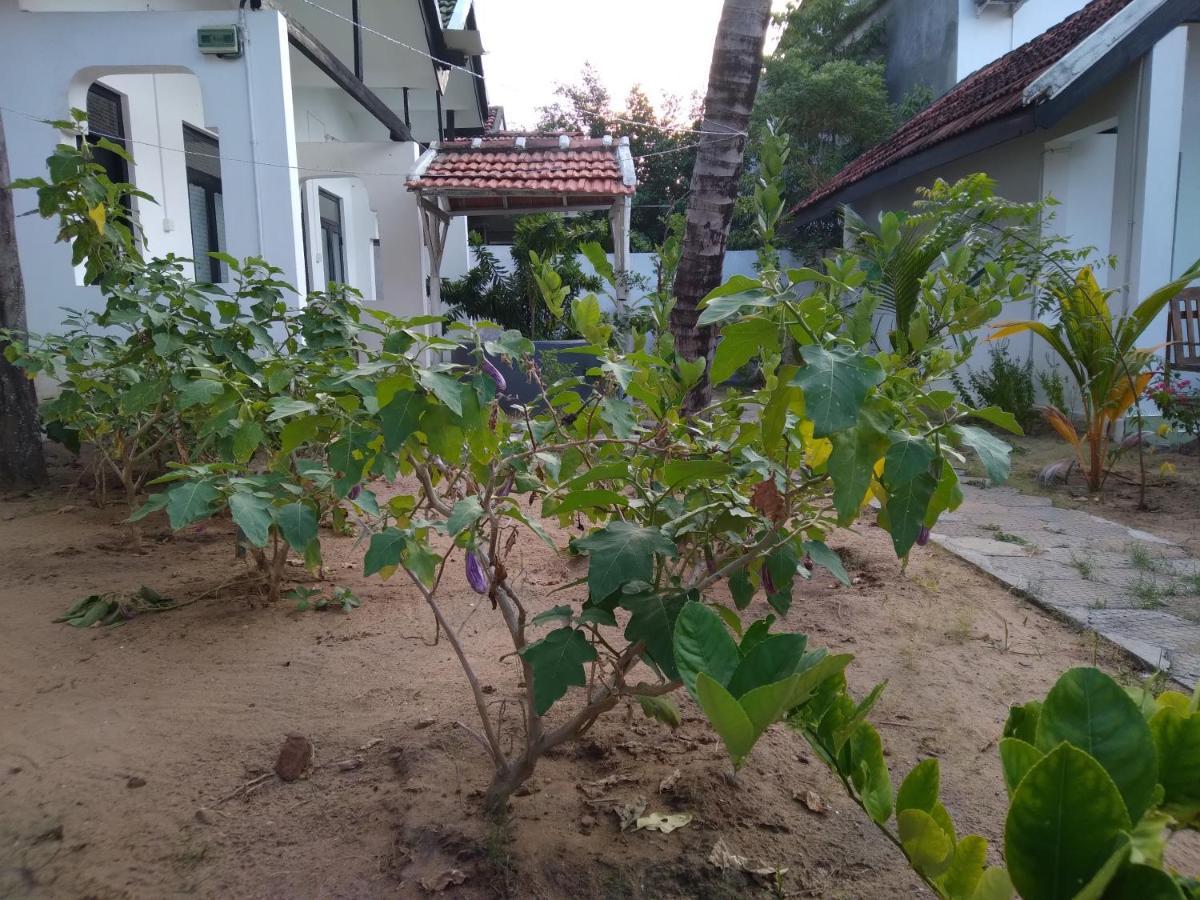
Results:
[211, 186]
[329, 229]
[115, 166]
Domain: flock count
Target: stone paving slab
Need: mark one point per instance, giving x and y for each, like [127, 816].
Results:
[1133, 588]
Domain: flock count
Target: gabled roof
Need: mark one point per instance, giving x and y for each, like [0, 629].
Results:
[993, 105]
[517, 170]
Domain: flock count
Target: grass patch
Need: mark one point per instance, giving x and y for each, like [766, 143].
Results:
[1009, 538]
[1141, 559]
[1084, 565]
[1148, 593]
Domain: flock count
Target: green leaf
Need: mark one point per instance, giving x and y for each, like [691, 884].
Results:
[1090, 711]
[681, 471]
[927, 847]
[198, 392]
[906, 458]
[1017, 757]
[1001, 418]
[993, 885]
[1177, 740]
[766, 661]
[618, 414]
[153, 503]
[906, 506]
[465, 514]
[702, 643]
[769, 703]
[246, 439]
[823, 556]
[962, 878]
[622, 552]
[741, 342]
[561, 613]
[993, 452]
[597, 499]
[727, 717]
[1022, 721]
[190, 501]
[947, 496]
[835, 384]
[446, 389]
[297, 523]
[253, 515]
[869, 772]
[400, 418]
[1140, 882]
[283, 408]
[755, 635]
[422, 562]
[919, 790]
[662, 709]
[298, 431]
[741, 588]
[1062, 824]
[852, 465]
[142, 396]
[775, 412]
[384, 552]
[652, 621]
[557, 662]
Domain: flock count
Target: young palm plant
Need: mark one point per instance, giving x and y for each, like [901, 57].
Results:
[1099, 352]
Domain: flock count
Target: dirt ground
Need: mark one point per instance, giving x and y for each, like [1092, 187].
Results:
[130, 757]
[1172, 495]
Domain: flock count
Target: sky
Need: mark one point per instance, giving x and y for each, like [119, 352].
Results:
[663, 45]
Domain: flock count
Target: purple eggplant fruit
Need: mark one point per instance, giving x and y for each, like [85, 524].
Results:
[354, 492]
[923, 536]
[492, 372]
[807, 562]
[504, 489]
[768, 582]
[476, 577]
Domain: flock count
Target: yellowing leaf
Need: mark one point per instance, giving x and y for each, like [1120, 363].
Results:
[1124, 394]
[99, 216]
[1061, 424]
[816, 450]
[1008, 329]
[1166, 468]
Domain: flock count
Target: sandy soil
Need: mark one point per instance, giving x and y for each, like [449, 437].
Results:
[1172, 497]
[125, 752]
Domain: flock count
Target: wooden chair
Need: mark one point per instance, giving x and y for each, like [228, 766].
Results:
[1183, 332]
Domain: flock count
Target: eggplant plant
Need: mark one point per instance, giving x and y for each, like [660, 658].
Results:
[1099, 779]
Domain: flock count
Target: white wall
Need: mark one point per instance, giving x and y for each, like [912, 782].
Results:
[986, 36]
[359, 229]
[1080, 173]
[47, 62]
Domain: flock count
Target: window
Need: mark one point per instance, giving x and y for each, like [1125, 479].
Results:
[106, 119]
[333, 244]
[202, 154]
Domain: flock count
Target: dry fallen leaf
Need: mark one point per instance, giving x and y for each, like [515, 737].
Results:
[630, 811]
[663, 822]
[724, 858]
[669, 782]
[812, 800]
[443, 880]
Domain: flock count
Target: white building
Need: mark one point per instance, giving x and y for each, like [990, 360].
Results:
[284, 132]
[1096, 103]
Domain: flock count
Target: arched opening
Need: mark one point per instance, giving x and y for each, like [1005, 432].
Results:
[158, 117]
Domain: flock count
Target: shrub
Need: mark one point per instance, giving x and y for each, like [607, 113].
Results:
[1006, 384]
[1099, 779]
[1179, 400]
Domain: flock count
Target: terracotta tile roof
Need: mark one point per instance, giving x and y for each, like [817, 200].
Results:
[984, 96]
[587, 167]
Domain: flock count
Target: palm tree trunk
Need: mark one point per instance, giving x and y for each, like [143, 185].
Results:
[732, 83]
[21, 459]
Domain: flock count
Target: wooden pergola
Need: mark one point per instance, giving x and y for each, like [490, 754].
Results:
[519, 173]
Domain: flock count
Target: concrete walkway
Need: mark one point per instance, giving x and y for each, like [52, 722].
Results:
[1136, 590]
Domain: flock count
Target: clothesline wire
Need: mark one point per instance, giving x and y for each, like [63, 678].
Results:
[597, 113]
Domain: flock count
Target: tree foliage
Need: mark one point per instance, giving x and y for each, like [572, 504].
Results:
[660, 140]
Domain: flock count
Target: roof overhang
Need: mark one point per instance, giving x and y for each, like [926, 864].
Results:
[1099, 58]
